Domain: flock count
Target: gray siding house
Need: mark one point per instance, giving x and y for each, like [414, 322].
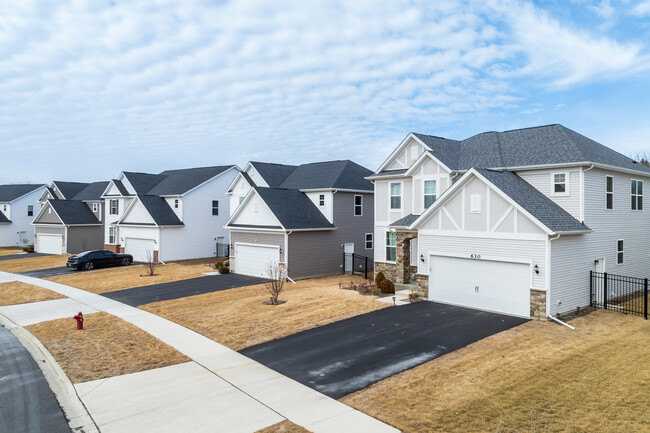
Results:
[18, 204]
[70, 219]
[304, 216]
[511, 221]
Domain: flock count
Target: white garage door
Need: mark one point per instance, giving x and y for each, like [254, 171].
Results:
[139, 248]
[502, 287]
[255, 259]
[49, 244]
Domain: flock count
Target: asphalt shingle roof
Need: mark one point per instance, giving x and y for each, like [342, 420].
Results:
[4, 219]
[343, 174]
[160, 211]
[532, 200]
[293, 209]
[74, 212]
[142, 183]
[406, 221]
[542, 145]
[176, 182]
[92, 192]
[273, 174]
[70, 189]
[10, 193]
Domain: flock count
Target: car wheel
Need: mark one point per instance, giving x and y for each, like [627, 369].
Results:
[126, 261]
[89, 266]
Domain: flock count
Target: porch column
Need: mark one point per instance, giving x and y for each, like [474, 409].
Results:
[403, 256]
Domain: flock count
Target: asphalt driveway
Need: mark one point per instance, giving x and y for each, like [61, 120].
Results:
[52, 272]
[27, 404]
[22, 256]
[346, 356]
[179, 289]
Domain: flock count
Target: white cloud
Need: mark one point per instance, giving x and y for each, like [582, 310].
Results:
[151, 85]
[641, 9]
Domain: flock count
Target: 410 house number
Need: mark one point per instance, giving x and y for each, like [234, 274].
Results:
[475, 256]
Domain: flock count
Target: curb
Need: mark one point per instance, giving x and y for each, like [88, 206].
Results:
[74, 410]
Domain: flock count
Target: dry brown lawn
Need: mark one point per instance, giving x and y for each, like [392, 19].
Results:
[8, 251]
[537, 377]
[238, 318]
[110, 279]
[283, 427]
[33, 263]
[108, 346]
[15, 292]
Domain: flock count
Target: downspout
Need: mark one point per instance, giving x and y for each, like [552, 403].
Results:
[286, 254]
[548, 270]
[582, 193]
[452, 179]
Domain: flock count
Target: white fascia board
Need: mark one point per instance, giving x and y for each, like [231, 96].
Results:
[42, 211]
[392, 176]
[421, 159]
[462, 181]
[234, 181]
[110, 183]
[359, 191]
[128, 209]
[55, 213]
[570, 165]
[242, 205]
[399, 148]
[234, 167]
[254, 229]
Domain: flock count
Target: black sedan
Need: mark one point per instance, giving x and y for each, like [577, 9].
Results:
[90, 260]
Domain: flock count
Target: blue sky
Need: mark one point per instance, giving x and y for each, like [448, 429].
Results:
[91, 88]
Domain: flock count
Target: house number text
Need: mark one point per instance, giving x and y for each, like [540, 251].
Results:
[476, 256]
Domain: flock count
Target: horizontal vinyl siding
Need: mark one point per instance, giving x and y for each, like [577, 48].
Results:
[85, 238]
[570, 266]
[534, 250]
[541, 180]
[257, 238]
[314, 253]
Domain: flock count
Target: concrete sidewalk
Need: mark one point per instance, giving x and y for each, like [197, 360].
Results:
[220, 390]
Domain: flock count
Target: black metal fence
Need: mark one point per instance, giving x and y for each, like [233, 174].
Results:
[628, 295]
[223, 250]
[358, 264]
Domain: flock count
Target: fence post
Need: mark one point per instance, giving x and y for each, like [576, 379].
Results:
[344, 270]
[645, 298]
[352, 271]
[605, 290]
[365, 275]
[591, 288]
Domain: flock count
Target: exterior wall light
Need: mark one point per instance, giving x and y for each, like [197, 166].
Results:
[536, 268]
[422, 258]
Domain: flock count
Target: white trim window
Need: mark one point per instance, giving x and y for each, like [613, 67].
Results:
[369, 241]
[609, 187]
[95, 207]
[560, 183]
[30, 210]
[321, 200]
[111, 235]
[636, 193]
[395, 195]
[175, 203]
[241, 199]
[391, 246]
[114, 207]
[358, 205]
[215, 207]
[620, 250]
[429, 192]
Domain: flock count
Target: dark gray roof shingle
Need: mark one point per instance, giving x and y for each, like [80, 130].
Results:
[142, 183]
[10, 193]
[533, 201]
[343, 174]
[406, 221]
[4, 219]
[160, 211]
[73, 212]
[177, 182]
[273, 174]
[69, 189]
[541, 145]
[293, 209]
[92, 192]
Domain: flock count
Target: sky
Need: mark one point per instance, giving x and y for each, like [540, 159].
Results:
[92, 88]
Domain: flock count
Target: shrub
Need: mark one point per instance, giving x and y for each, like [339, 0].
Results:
[222, 267]
[28, 248]
[386, 286]
[379, 278]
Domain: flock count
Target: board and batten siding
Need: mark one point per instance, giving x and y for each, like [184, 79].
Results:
[572, 257]
[543, 182]
[261, 238]
[529, 249]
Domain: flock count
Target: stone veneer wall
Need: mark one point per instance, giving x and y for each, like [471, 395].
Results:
[537, 304]
[390, 270]
[422, 282]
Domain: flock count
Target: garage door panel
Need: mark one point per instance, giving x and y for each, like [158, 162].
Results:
[139, 248]
[254, 260]
[484, 284]
[50, 244]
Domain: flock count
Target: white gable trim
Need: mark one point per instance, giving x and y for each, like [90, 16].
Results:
[28, 193]
[234, 167]
[42, 211]
[108, 187]
[462, 181]
[240, 175]
[128, 210]
[423, 158]
[399, 148]
[244, 203]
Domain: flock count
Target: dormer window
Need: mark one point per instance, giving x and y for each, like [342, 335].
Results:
[560, 184]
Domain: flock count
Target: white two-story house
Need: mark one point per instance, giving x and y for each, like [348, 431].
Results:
[18, 205]
[173, 215]
[512, 221]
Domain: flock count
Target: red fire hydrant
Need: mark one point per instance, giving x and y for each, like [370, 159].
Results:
[80, 320]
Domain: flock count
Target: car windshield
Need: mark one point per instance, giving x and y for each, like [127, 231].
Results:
[85, 253]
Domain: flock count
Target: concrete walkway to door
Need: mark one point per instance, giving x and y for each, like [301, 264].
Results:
[219, 390]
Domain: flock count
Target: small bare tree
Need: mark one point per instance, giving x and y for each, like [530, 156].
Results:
[277, 273]
[150, 264]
